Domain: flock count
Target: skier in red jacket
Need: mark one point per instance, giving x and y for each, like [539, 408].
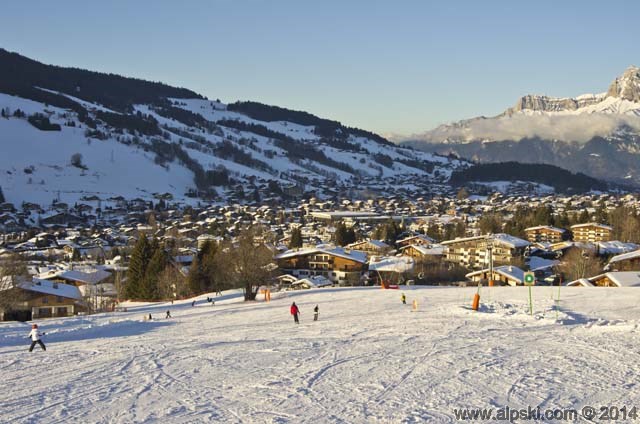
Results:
[295, 311]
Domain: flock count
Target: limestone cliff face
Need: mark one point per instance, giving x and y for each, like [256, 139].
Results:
[552, 104]
[598, 134]
[627, 86]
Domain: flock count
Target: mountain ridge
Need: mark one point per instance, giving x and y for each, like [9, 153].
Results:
[569, 126]
[174, 140]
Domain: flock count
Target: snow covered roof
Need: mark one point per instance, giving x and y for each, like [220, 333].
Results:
[418, 236]
[615, 247]
[537, 263]
[353, 255]
[397, 264]
[286, 278]
[625, 256]
[501, 238]
[183, 259]
[618, 278]
[593, 224]
[313, 281]
[93, 277]
[344, 214]
[203, 237]
[510, 240]
[624, 278]
[580, 282]
[434, 249]
[545, 227]
[377, 243]
[49, 287]
[511, 272]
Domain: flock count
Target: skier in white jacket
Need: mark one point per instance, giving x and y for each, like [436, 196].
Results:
[35, 338]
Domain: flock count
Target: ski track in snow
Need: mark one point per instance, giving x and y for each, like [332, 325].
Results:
[369, 359]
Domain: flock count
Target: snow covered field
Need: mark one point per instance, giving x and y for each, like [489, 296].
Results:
[369, 359]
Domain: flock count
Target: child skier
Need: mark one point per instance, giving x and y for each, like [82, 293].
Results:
[404, 299]
[315, 313]
[295, 311]
[35, 335]
[168, 314]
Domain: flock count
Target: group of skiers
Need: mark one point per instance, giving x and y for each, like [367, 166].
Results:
[295, 311]
[35, 334]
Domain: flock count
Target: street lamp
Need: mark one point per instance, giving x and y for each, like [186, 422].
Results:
[489, 244]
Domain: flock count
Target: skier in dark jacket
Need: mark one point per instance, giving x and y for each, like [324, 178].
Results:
[295, 311]
[35, 335]
[316, 310]
[168, 314]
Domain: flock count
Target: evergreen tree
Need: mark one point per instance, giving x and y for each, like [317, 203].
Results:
[563, 220]
[600, 215]
[202, 274]
[543, 215]
[158, 262]
[490, 224]
[140, 257]
[75, 256]
[392, 232]
[340, 236]
[584, 217]
[433, 232]
[350, 236]
[296, 238]
[1, 196]
[196, 277]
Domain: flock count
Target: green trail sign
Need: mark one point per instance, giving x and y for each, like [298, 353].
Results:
[529, 279]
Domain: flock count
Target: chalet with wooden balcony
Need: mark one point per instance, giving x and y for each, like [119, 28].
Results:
[592, 232]
[371, 247]
[417, 240]
[477, 252]
[41, 299]
[609, 279]
[625, 262]
[341, 266]
[546, 234]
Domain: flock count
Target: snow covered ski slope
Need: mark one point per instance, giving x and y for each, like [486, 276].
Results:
[369, 359]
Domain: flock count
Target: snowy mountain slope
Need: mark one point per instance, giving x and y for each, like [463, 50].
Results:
[35, 165]
[138, 138]
[558, 131]
[248, 362]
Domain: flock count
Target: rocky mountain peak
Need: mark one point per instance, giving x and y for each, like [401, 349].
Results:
[626, 86]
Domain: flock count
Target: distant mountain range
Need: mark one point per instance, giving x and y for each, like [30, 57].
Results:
[596, 134]
[70, 133]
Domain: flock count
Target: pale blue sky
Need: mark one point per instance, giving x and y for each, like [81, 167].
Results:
[396, 66]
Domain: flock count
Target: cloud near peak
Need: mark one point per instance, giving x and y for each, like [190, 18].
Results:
[577, 128]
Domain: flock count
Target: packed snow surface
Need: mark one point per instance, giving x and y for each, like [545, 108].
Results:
[369, 359]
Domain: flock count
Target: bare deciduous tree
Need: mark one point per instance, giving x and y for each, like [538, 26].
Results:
[247, 263]
[578, 264]
[172, 284]
[12, 270]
